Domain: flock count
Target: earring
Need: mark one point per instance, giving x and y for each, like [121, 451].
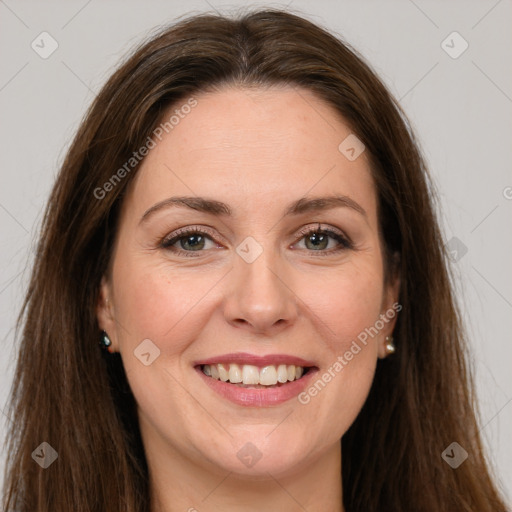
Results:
[105, 341]
[390, 347]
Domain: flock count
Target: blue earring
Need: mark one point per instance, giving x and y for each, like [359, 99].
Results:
[105, 340]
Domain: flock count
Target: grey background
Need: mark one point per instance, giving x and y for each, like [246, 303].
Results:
[460, 109]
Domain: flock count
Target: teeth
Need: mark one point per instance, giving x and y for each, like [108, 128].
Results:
[248, 374]
[223, 372]
[235, 374]
[282, 373]
[268, 376]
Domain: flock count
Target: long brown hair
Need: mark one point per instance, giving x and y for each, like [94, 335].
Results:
[66, 392]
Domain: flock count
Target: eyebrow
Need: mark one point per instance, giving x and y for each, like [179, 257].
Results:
[211, 206]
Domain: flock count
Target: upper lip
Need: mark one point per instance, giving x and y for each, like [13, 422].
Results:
[256, 360]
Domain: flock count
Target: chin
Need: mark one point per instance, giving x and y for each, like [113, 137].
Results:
[259, 452]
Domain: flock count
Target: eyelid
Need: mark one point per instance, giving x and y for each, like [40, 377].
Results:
[187, 230]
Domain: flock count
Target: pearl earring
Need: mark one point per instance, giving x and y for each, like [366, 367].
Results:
[390, 347]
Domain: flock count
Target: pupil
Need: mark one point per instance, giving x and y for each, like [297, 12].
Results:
[317, 239]
[192, 237]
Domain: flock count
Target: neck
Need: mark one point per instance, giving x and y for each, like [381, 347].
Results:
[179, 484]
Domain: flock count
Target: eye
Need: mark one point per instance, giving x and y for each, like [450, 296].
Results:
[188, 241]
[317, 239]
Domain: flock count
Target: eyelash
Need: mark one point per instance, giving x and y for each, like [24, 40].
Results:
[344, 242]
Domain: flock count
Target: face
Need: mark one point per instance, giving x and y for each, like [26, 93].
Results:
[277, 288]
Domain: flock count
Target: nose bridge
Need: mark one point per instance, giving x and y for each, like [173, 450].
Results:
[261, 298]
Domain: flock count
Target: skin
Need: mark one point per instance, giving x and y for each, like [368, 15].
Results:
[257, 151]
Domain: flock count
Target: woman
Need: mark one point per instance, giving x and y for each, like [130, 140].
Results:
[244, 222]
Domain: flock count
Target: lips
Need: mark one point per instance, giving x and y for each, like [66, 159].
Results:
[253, 380]
[256, 360]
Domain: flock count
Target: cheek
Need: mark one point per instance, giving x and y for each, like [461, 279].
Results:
[347, 304]
[348, 308]
[154, 304]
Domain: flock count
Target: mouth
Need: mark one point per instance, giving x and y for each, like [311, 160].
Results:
[257, 381]
[254, 377]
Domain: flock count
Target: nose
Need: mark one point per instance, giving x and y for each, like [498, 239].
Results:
[259, 298]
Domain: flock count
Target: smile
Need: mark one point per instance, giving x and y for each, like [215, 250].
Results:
[250, 375]
[257, 381]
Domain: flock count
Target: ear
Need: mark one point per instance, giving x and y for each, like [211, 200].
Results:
[390, 309]
[105, 312]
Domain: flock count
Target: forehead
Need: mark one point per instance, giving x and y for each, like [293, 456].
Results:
[252, 148]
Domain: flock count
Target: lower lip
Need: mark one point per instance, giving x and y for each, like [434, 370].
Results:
[258, 397]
